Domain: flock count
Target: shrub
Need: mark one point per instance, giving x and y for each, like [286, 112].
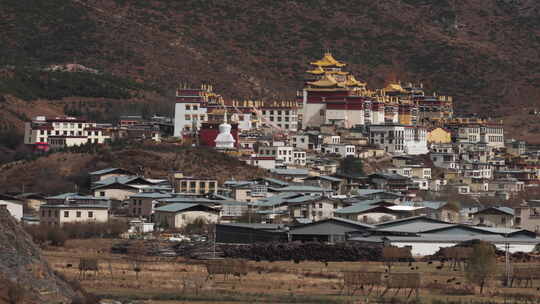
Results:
[15, 293]
[57, 237]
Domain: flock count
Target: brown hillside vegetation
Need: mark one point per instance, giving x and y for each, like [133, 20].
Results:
[485, 52]
[66, 172]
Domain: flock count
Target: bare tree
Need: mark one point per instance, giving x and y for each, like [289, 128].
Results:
[482, 265]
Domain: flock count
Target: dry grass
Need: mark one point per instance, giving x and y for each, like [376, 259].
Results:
[168, 279]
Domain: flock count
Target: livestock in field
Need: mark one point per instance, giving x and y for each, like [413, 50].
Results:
[457, 256]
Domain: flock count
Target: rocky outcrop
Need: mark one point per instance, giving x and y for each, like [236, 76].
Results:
[21, 263]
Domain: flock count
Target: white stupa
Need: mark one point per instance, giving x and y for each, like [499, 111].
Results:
[225, 140]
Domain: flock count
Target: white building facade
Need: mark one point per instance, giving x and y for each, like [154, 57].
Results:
[399, 139]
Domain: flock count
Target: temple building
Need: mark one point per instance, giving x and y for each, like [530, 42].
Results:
[334, 96]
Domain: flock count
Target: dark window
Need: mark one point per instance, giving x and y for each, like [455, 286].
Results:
[90, 214]
[66, 213]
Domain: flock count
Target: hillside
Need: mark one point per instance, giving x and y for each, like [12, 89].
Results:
[483, 52]
[21, 261]
[68, 171]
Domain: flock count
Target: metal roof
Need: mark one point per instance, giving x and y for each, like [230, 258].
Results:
[420, 218]
[151, 195]
[275, 200]
[178, 207]
[329, 226]
[105, 171]
[290, 171]
[75, 196]
[301, 188]
[76, 206]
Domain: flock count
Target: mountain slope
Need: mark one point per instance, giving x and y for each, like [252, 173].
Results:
[483, 52]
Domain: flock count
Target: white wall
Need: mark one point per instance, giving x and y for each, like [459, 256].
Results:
[15, 209]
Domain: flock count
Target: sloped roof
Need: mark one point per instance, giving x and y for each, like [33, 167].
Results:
[107, 170]
[151, 195]
[334, 225]
[420, 218]
[179, 207]
[275, 200]
[505, 210]
[290, 171]
[301, 188]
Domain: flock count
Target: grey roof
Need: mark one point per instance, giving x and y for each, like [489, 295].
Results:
[185, 200]
[367, 192]
[275, 181]
[359, 208]
[413, 227]
[275, 200]
[506, 210]
[290, 171]
[75, 196]
[330, 226]
[436, 238]
[254, 226]
[85, 206]
[426, 204]
[151, 195]
[119, 179]
[420, 218]
[178, 207]
[105, 171]
[303, 199]
[301, 188]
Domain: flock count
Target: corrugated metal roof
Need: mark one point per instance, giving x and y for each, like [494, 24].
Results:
[416, 227]
[356, 208]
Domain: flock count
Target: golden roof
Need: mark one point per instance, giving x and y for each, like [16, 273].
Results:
[394, 87]
[318, 70]
[353, 82]
[326, 81]
[328, 60]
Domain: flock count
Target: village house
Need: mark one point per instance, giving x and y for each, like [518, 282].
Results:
[327, 182]
[370, 212]
[143, 204]
[194, 185]
[399, 139]
[264, 162]
[76, 199]
[107, 173]
[120, 188]
[437, 210]
[528, 215]
[499, 217]
[312, 207]
[343, 150]
[178, 215]
[57, 215]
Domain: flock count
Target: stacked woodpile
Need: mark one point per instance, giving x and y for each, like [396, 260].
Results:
[311, 251]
